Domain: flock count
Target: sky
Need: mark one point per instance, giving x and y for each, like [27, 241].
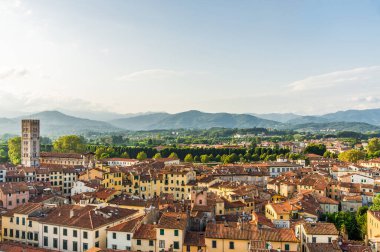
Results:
[305, 57]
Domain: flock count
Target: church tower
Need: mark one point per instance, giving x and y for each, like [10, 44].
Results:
[30, 143]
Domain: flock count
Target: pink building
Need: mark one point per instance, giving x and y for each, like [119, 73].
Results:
[13, 194]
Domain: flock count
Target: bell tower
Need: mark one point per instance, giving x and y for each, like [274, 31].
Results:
[30, 143]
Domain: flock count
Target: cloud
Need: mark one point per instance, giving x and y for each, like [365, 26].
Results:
[14, 72]
[368, 99]
[357, 76]
[151, 74]
[12, 104]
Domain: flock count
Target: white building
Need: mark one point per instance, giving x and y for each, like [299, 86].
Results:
[75, 228]
[120, 236]
[82, 187]
[122, 162]
[316, 233]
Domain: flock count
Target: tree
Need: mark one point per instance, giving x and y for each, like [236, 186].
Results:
[14, 150]
[352, 156]
[3, 155]
[141, 156]
[197, 159]
[173, 155]
[157, 155]
[315, 148]
[376, 203]
[329, 154]
[125, 155]
[70, 143]
[373, 146]
[205, 158]
[189, 158]
[361, 219]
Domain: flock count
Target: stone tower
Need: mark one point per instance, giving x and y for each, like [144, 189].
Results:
[30, 143]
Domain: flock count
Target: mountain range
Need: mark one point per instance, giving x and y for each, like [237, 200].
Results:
[55, 123]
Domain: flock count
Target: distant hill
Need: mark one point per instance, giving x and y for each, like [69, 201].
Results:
[279, 117]
[307, 119]
[140, 122]
[371, 116]
[192, 119]
[333, 127]
[55, 123]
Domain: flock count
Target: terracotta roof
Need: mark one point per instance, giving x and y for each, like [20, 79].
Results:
[15, 247]
[24, 209]
[145, 231]
[86, 217]
[173, 220]
[248, 232]
[281, 208]
[129, 226]
[13, 187]
[323, 247]
[60, 155]
[320, 228]
[195, 239]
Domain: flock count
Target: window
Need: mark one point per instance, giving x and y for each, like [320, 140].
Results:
[175, 232]
[314, 239]
[10, 232]
[213, 244]
[329, 239]
[5, 232]
[128, 237]
[162, 232]
[287, 247]
[85, 246]
[55, 230]
[17, 234]
[11, 220]
[232, 245]
[138, 242]
[75, 245]
[114, 235]
[23, 221]
[161, 244]
[114, 246]
[46, 241]
[188, 248]
[64, 244]
[45, 229]
[30, 223]
[55, 243]
[176, 245]
[85, 235]
[151, 243]
[75, 233]
[17, 220]
[64, 232]
[23, 235]
[97, 234]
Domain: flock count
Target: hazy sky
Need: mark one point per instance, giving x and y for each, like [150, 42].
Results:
[308, 57]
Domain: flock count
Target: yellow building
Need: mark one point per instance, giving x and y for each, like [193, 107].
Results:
[18, 224]
[373, 229]
[112, 178]
[194, 242]
[228, 237]
[144, 238]
[170, 231]
[278, 211]
[177, 180]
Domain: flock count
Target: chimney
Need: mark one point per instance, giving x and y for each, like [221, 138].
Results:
[71, 213]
